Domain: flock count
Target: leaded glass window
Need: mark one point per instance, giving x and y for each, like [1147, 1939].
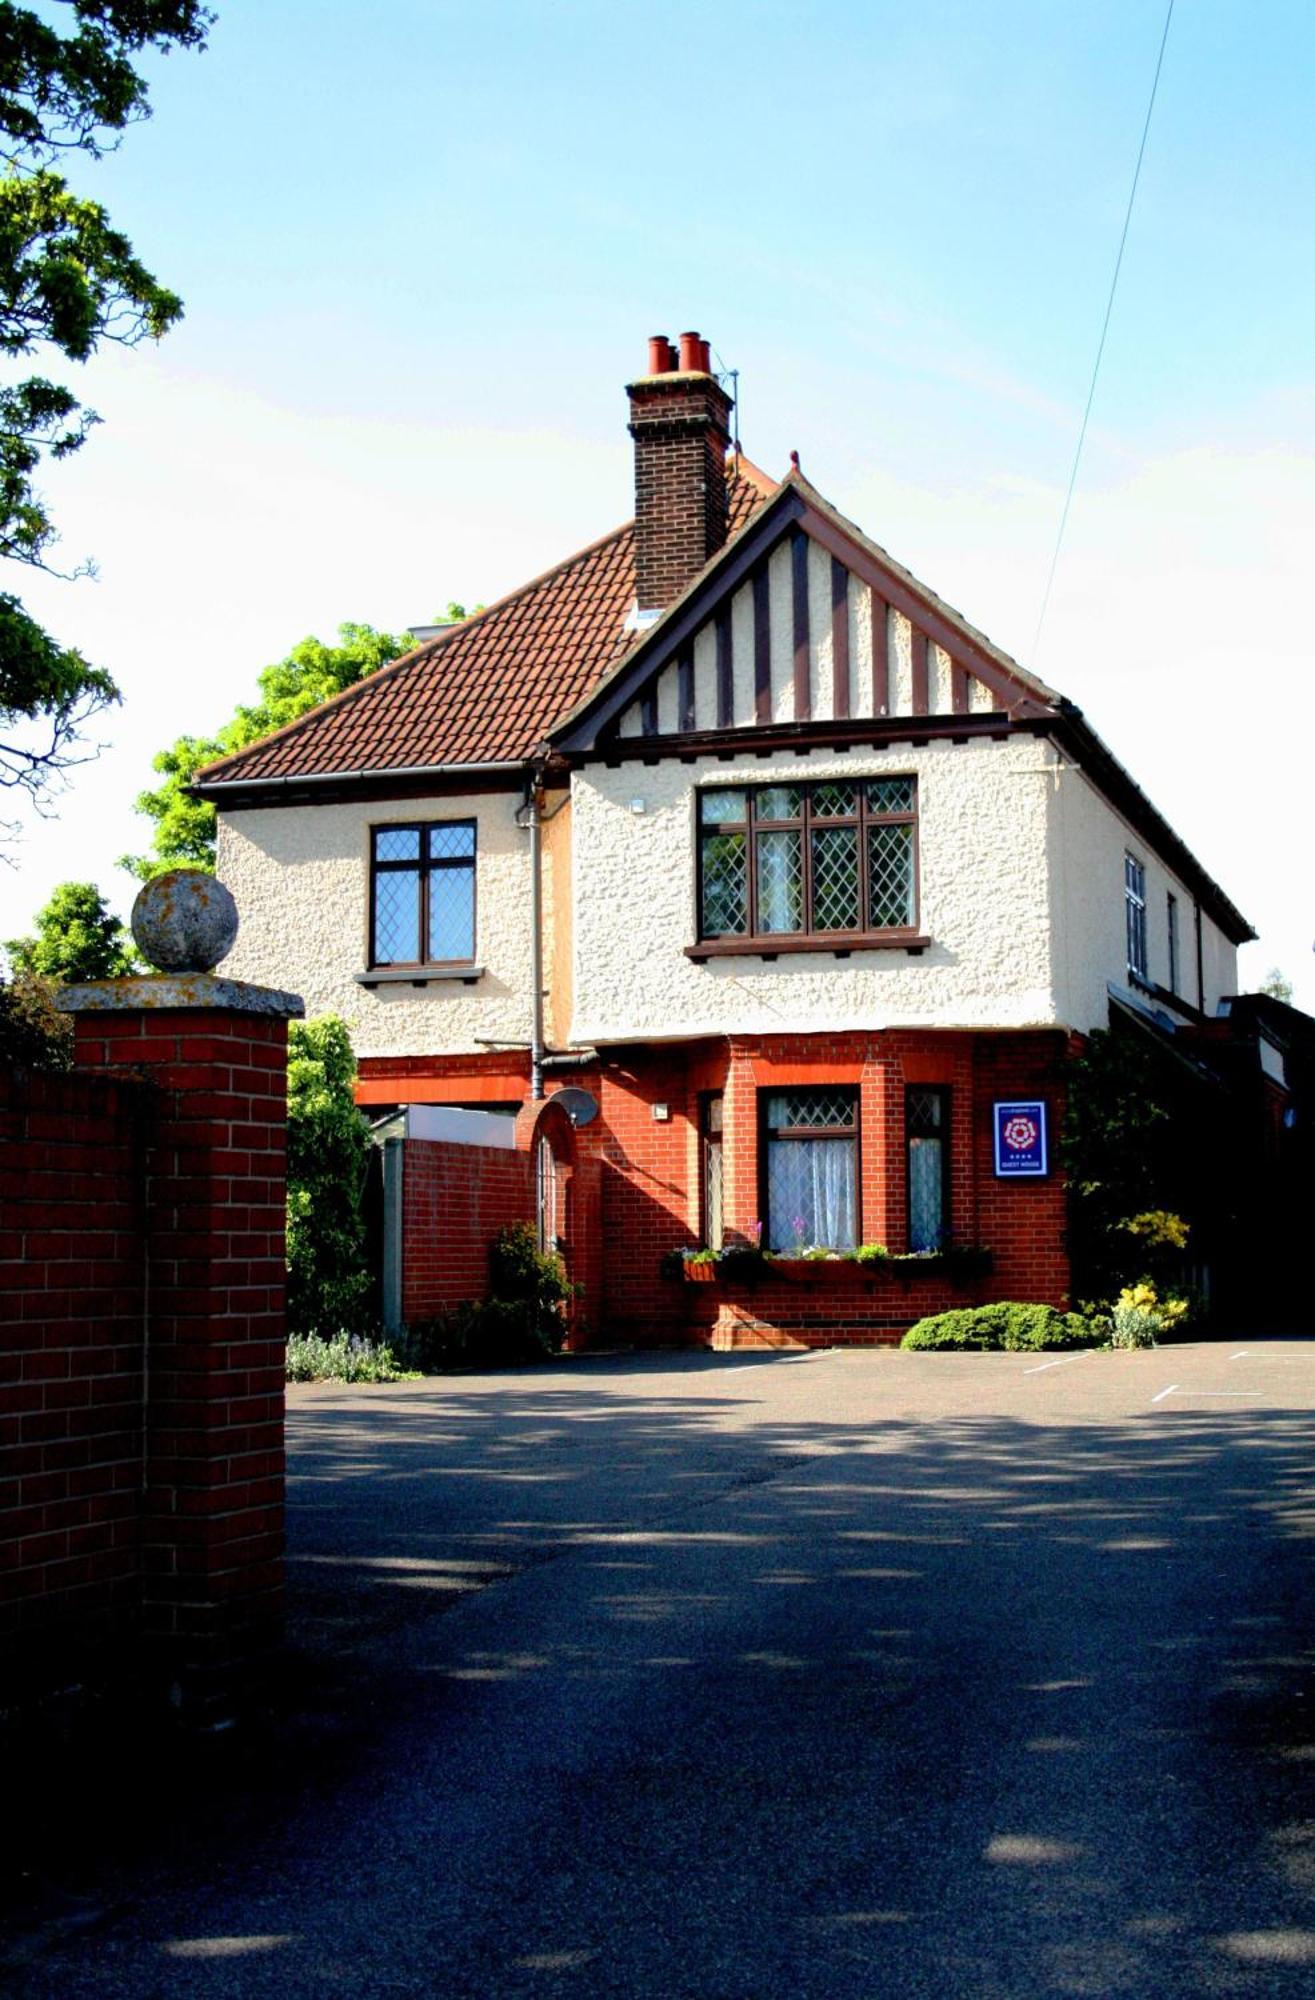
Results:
[422, 894]
[836, 860]
[811, 1169]
[927, 1146]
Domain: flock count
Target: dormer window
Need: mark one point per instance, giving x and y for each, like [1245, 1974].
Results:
[835, 862]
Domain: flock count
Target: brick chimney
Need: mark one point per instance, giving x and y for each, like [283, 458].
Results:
[678, 415]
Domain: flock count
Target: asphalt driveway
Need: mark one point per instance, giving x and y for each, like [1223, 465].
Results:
[725, 1677]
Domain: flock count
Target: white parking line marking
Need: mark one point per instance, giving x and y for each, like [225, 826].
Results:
[1164, 1392]
[1240, 1357]
[1229, 1395]
[1043, 1365]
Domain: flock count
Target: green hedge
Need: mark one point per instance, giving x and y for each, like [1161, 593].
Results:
[1008, 1325]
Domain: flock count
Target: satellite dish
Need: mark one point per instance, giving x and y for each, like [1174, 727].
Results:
[580, 1107]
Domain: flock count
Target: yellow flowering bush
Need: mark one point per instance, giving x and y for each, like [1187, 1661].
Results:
[1140, 1316]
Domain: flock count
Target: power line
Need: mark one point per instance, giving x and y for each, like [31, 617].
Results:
[1105, 327]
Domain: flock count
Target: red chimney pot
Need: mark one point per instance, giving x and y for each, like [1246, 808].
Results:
[659, 354]
[690, 359]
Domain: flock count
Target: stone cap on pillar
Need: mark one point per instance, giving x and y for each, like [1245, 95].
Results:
[184, 922]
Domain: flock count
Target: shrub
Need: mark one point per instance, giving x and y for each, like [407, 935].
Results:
[871, 1253]
[329, 1282]
[1019, 1328]
[1140, 1316]
[522, 1319]
[32, 1031]
[344, 1357]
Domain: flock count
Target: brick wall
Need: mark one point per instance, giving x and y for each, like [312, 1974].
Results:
[454, 1201]
[72, 1303]
[143, 1315]
[645, 1148]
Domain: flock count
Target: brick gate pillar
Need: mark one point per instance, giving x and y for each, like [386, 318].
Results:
[213, 1459]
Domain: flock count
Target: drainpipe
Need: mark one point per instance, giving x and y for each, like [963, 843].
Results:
[535, 823]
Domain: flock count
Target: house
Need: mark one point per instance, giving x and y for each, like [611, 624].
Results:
[731, 822]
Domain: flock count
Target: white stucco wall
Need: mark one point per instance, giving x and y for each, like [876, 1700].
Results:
[1088, 840]
[301, 879]
[984, 902]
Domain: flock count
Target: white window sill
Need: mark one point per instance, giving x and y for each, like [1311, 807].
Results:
[419, 975]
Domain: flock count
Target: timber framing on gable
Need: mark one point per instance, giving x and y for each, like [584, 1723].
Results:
[801, 623]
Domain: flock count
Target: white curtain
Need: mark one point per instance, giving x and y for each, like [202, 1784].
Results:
[812, 1186]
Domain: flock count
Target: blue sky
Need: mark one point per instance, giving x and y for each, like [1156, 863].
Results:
[422, 246]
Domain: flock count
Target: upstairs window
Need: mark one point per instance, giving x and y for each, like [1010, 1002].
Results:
[422, 894]
[1134, 910]
[831, 861]
[1171, 916]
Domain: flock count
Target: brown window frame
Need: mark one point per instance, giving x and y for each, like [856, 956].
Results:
[828, 1134]
[422, 866]
[768, 943]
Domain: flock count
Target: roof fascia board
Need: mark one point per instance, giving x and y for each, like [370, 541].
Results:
[410, 780]
[736, 562]
[766, 739]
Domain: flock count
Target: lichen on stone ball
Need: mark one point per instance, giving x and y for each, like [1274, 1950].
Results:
[184, 921]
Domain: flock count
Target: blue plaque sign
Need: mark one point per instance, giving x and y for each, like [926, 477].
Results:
[1020, 1139]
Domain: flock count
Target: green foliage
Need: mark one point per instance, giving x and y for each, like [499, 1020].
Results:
[1123, 1159]
[1277, 985]
[32, 1032]
[530, 1282]
[77, 938]
[872, 1253]
[329, 1281]
[1019, 1328]
[184, 827]
[346, 1357]
[68, 281]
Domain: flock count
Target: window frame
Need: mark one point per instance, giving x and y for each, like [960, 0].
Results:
[1175, 955]
[712, 1141]
[423, 866]
[1134, 917]
[945, 1131]
[767, 944]
[829, 1134]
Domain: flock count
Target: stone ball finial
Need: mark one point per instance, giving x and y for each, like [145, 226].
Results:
[184, 921]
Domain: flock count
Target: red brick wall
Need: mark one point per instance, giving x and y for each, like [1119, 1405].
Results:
[150, 1214]
[455, 1199]
[648, 1198]
[72, 1298]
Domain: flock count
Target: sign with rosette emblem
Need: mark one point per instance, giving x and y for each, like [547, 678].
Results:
[1020, 1139]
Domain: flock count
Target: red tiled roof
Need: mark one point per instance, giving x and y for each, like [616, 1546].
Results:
[488, 690]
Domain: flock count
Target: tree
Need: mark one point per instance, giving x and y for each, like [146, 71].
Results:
[184, 835]
[68, 281]
[77, 937]
[32, 1030]
[329, 1288]
[1277, 985]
